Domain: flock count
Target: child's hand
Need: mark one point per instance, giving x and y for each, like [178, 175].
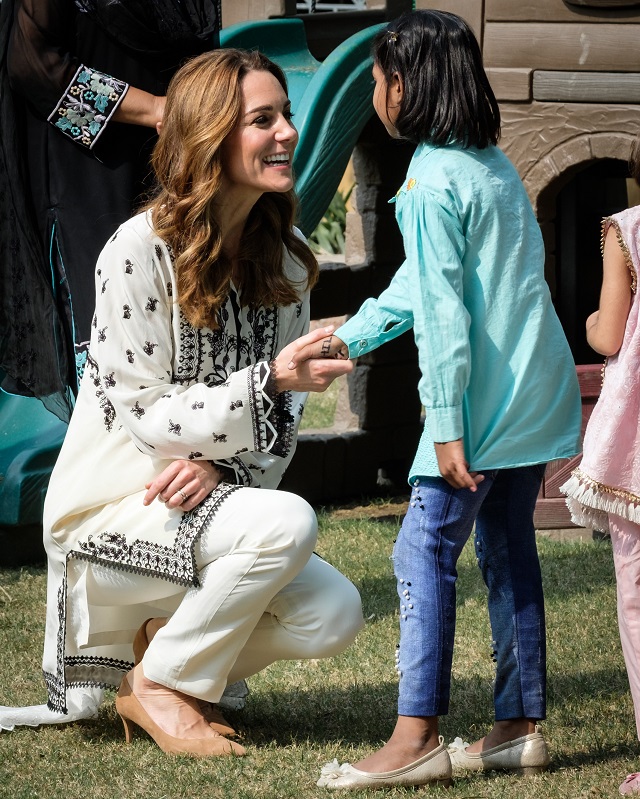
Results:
[454, 467]
[329, 346]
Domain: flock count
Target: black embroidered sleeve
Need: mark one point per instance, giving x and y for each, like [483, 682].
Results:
[273, 423]
[87, 105]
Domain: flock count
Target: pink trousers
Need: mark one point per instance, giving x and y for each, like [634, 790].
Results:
[625, 540]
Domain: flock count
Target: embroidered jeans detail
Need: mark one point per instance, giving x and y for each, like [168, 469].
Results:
[438, 523]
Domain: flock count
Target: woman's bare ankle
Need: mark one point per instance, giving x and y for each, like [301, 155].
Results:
[176, 713]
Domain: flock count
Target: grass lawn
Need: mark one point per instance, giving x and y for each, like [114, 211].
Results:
[301, 714]
[320, 409]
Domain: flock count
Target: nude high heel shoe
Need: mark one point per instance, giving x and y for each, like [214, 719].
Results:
[212, 713]
[131, 712]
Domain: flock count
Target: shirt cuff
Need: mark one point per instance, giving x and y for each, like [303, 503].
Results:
[445, 424]
[274, 424]
[357, 342]
[87, 105]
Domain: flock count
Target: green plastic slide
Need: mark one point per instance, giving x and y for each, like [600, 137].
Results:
[331, 102]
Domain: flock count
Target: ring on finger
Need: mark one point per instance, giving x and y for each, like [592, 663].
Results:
[184, 496]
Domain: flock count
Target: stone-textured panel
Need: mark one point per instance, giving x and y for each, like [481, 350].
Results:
[530, 133]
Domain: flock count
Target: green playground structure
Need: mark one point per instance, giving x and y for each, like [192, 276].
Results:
[332, 103]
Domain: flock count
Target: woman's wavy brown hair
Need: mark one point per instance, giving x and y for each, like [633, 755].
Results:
[204, 105]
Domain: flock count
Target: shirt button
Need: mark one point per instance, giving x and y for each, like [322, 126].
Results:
[363, 342]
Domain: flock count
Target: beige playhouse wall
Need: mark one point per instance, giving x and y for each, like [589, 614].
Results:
[243, 10]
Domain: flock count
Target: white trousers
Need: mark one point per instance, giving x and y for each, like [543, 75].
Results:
[625, 541]
[263, 596]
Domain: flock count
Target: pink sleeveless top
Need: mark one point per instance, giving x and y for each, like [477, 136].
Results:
[608, 479]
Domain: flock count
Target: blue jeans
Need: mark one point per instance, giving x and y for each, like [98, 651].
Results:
[434, 531]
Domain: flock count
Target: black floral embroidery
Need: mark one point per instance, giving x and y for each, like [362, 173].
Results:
[128, 267]
[94, 321]
[158, 250]
[130, 355]
[175, 428]
[126, 312]
[102, 336]
[189, 354]
[107, 408]
[176, 563]
[149, 347]
[197, 406]
[194, 455]
[138, 411]
[238, 468]
[298, 310]
[219, 438]
[241, 450]
[56, 688]
[152, 304]
[109, 380]
[273, 423]
[169, 290]
[235, 405]
[104, 286]
[87, 105]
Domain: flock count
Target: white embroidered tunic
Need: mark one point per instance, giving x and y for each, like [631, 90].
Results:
[155, 389]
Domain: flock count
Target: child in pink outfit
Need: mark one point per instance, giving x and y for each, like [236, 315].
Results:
[604, 492]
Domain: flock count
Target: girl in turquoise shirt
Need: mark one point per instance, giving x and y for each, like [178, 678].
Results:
[500, 393]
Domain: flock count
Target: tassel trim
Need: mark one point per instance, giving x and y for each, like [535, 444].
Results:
[590, 502]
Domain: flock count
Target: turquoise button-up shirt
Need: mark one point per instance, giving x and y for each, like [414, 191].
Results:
[496, 368]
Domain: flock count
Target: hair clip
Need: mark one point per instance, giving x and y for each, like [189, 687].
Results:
[393, 37]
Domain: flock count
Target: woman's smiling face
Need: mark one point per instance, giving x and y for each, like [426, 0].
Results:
[257, 156]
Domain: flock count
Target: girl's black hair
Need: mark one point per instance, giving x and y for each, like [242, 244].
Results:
[447, 97]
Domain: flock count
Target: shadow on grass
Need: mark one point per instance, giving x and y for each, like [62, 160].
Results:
[365, 714]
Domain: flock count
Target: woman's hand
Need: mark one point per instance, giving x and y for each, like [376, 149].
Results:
[454, 467]
[303, 366]
[328, 346]
[183, 484]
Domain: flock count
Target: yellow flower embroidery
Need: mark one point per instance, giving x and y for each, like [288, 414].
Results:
[412, 182]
